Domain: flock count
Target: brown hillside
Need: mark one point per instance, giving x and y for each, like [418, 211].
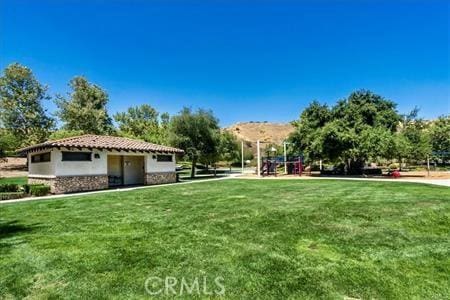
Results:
[265, 132]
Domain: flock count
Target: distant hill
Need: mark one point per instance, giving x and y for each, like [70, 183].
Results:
[267, 132]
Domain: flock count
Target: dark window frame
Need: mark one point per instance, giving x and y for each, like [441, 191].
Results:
[164, 158]
[43, 157]
[76, 156]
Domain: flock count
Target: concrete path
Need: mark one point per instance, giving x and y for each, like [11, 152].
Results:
[440, 182]
[118, 190]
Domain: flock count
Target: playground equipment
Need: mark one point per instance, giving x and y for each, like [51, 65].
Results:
[292, 164]
[269, 164]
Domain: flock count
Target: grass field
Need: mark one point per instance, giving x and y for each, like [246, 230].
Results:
[266, 239]
[16, 180]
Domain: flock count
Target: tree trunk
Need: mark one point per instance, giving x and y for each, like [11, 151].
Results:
[194, 163]
[348, 166]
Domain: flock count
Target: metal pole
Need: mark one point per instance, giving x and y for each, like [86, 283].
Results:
[285, 158]
[300, 166]
[242, 155]
[428, 165]
[258, 151]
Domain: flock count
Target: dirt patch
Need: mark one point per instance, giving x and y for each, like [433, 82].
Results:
[424, 174]
[13, 167]
[265, 132]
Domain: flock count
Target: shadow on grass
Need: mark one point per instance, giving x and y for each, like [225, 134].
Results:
[10, 231]
[11, 228]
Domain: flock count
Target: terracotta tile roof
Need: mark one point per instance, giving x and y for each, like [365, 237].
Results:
[102, 142]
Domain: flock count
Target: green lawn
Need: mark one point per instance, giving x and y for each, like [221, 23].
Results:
[16, 180]
[266, 239]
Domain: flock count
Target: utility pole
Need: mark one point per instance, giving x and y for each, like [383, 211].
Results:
[285, 158]
[258, 171]
[242, 156]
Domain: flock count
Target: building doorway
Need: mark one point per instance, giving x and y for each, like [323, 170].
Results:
[125, 170]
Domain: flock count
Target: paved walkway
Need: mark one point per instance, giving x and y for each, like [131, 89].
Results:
[118, 190]
[440, 182]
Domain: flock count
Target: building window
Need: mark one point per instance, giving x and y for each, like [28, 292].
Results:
[77, 156]
[164, 158]
[43, 157]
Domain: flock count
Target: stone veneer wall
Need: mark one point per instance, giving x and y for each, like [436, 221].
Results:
[68, 184]
[160, 178]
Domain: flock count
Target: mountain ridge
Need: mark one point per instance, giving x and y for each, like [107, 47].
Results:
[266, 132]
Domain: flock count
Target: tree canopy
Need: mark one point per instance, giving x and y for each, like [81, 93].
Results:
[85, 108]
[143, 122]
[197, 133]
[228, 147]
[63, 133]
[440, 137]
[355, 129]
[21, 112]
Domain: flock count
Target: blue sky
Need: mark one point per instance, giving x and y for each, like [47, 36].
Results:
[245, 60]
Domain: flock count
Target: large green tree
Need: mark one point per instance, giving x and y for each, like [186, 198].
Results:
[228, 148]
[413, 135]
[399, 148]
[305, 137]
[8, 142]
[197, 133]
[355, 129]
[143, 122]
[417, 135]
[85, 108]
[440, 137]
[21, 112]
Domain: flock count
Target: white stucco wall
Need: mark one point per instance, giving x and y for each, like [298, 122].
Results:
[98, 166]
[153, 166]
[42, 168]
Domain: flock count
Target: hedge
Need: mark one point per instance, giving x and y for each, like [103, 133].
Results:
[11, 195]
[26, 187]
[14, 191]
[9, 188]
[39, 190]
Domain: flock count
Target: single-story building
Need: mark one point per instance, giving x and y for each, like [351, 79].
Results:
[94, 162]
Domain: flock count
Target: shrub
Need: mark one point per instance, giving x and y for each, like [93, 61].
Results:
[11, 195]
[32, 189]
[337, 170]
[9, 188]
[373, 171]
[393, 166]
[39, 189]
[26, 188]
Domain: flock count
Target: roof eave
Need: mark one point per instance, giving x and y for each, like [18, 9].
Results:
[40, 147]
